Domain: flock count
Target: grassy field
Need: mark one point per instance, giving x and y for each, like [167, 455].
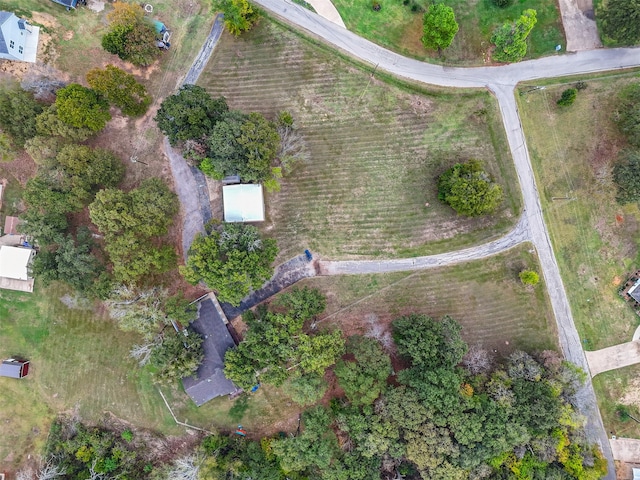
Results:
[595, 239]
[398, 27]
[375, 150]
[485, 296]
[619, 387]
[79, 361]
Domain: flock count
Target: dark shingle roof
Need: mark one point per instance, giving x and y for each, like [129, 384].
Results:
[210, 381]
[4, 16]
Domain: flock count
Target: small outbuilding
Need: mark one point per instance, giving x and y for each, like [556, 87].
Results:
[243, 203]
[18, 38]
[14, 268]
[14, 368]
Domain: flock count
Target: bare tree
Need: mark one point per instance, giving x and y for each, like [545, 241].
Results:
[27, 472]
[142, 353]
[185, 468]
[292, 148]
[477, 360]
[93, 475]
[50, 470]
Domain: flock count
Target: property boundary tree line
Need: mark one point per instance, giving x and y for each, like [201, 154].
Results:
[626, 169]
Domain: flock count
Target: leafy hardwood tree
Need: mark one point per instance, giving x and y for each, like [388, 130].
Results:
[49, 124]
[232, 260]
[511, 38]
[568, 97]
[439, 27]
[131, 36]
[120, 89]
[18, 112]
[82, 107]
[363, 380]
[306, 389]
[190, 114]
[620, 21]
[469, 190]
[302, 303]
[131, 223]
[239, 15]
[177, 356]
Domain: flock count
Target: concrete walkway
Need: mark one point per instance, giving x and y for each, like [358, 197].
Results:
[626, 449]
[610, 358]
[325, 9]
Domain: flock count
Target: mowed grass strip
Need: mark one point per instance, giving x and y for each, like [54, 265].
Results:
[376, 150]
[79, 362]
[399, 28]
[595, 239]
[619, 388]
[487, 297]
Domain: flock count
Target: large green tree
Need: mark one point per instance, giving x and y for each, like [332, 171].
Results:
[469, 189]
[620, 21]
[364, 379]
[178, 355]
[82, 107]
[510, 39]
[120, 89]
[189, 114]
[439, 27]
[131, 35]
[232, 260]
[18, 112]
[239, 15]
[131, 223]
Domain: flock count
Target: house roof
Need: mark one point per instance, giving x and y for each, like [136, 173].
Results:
[634, 292]
[14, 262]
[11, 368]
[10, 225]
[67, 3]
[243, 203]
[209, 381]
[4, 17]
[18, 38]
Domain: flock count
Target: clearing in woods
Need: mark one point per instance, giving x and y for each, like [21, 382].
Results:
[486, 296]
[376, 150]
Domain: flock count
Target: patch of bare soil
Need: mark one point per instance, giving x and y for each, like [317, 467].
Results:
[22, 168]
[631, 394]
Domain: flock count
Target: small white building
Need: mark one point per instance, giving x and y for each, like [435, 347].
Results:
[18, 38]
[243, 203]
[14, 268]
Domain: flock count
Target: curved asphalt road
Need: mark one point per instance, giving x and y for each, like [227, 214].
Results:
[501, 81]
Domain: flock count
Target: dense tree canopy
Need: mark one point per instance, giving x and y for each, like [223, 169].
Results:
[131, 36]
[178, 355]
[469, 190]
[239, 15]
[232, 260]
[18, 112]
[275, 348]
[120, 89]
[439, 26]
[131, 222]
[82, 107]
[510, 39]
[190, 114]
[620, 21]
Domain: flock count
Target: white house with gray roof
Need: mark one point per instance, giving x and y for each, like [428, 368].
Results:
[18, 38]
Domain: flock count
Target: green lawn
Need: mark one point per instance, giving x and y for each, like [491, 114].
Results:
[79, 361]
[619, 387]
[485, 296]
[399, 28]
[594, 238]
[375, 150]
